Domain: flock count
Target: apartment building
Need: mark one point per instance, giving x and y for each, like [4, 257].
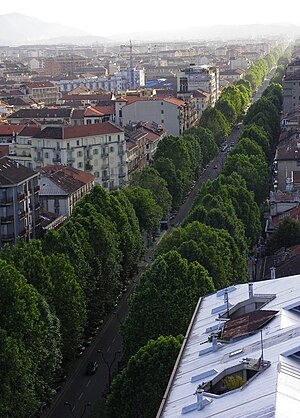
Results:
[173, 114]
[99, 149]
[199, 77]
[61, 187]
[291, 91]
[41, 92]
[19, 202]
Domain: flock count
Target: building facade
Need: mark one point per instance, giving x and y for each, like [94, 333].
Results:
[99, 149]
[199, 77]
[19, 202]
[61, 187]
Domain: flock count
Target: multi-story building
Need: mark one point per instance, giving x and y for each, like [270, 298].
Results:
[43, 116]
[291, 91]
[199, 77]
[61, 187]
[97, 148]
[41, 92]
[19, 202]
[287, 158]
[170, 113]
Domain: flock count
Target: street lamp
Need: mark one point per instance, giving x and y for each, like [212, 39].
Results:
[109, 365]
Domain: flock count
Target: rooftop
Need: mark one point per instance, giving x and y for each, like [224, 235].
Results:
[264, 348]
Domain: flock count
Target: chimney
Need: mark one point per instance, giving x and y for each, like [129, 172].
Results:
[214, 343]
[250, 289]
[273, 273]
[199, 394]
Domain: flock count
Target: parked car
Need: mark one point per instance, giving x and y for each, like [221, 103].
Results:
[92, 367]
[79, 350]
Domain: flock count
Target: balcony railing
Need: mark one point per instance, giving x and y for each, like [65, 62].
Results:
[21, 196]
[7, 219]
[7, 201]
[105, 178]
[56, 160]
[88, 167]
[7, 237]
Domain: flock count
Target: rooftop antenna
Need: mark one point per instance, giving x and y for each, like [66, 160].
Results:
[226, 301]
[262, 349]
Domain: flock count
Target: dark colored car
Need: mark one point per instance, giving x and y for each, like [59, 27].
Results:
[92, 367]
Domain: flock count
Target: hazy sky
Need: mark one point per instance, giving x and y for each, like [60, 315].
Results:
[121, 16]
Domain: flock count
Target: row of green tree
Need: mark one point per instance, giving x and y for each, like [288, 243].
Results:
[51, 291]
[207, 253]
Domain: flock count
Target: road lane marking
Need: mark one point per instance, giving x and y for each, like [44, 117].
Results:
[88, 383]
[114, 339]
[80, 396]
[108, 349]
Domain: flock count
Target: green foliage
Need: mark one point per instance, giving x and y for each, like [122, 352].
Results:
[285, 235]
[232, 382]
[164, 301]
[145, 207]
[214, 120]
[149, 178]
[32, 330]
[138, 390]
[213, 248]
[68, 301]
[253, 170]
[258, 135]
[209, 148]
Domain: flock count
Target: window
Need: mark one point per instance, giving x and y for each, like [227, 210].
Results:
[95, 151]
[162, 121]
[88, 122]
[77, 142]
[111, 149]
[162, 112]
[79, 153]
[109, 138]
[79, 165]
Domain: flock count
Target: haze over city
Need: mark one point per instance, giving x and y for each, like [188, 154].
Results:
[127, 17]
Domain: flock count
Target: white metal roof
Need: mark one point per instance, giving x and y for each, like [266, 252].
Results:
[273, 393]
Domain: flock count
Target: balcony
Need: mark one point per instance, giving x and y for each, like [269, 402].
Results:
[104, 155]
[70, 159]
[56, 160]
[122, 175]
[88, 167]
[7, 237]
[105, 178]
[7, 219]
[6, 201]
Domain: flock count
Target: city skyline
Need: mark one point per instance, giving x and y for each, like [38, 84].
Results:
[124, 18]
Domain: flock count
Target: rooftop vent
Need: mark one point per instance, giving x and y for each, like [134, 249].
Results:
[202, 401]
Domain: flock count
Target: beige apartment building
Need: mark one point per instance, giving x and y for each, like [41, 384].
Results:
[99, 149]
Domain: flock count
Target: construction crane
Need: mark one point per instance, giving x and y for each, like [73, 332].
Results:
[131, 69]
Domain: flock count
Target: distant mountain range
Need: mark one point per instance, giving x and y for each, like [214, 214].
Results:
[17, 29]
